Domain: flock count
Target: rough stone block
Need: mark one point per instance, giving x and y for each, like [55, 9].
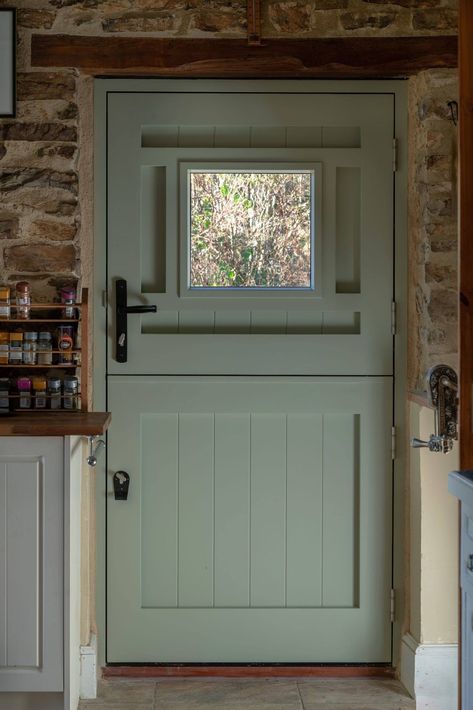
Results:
[53, 230]
[35, 18]
[50, 201]
[40, 257]
[435, 20]
[370, 20]
[8, 226]
[37, 132]
[45, 85]
[417, 4]
[149, 21]
[32, 177]
[215, 20]
[290, 17]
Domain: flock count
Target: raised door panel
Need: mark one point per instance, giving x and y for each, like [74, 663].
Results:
[341, 325]
[31, 564]
[258, 514]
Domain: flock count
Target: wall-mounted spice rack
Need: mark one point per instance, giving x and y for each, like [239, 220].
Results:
[60, 360]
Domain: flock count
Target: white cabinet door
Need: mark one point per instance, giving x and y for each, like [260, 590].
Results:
[31, 563]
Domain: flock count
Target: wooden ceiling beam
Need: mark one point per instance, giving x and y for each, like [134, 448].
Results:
[320, 58]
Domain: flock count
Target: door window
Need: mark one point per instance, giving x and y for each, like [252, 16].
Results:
[250, 229]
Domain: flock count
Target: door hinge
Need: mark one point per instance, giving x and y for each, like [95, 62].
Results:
[395, 154]
[393, 442]
[393, 318]
[104, 299]
[392, 605]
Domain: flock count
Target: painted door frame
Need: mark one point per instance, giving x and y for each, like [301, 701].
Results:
[399, 89]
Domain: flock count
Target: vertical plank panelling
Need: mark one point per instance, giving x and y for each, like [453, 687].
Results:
[160, 322]
[196, 321]
[3, 565]
[341, 323]
[304, 510]
[159, 447]
[196, 510]
[304, 322]
[196, 136]
[268, 510]
[268, 321]
[24, 544]
[232, 136]
[232, 509]
[340, 530]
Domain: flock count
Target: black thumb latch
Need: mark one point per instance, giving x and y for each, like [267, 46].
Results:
[121, 484]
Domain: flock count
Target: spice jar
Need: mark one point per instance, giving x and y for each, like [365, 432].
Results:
[30, 345]
[44, 349]
[68, 297]
[23, 299]
[15, 354]
[4, 348]
[65, 343]
[71, 391]
[24, 391]
[5, 310]
[39, 387]
[54, 392]
[4, 395]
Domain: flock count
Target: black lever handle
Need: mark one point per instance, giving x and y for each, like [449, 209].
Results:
[141, 309]
[122, 311]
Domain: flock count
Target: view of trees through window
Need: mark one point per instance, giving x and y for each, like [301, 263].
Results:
[250, 229]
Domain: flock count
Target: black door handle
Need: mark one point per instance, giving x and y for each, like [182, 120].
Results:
[121, 321]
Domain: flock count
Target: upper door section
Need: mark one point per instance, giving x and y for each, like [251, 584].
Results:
[259, 223]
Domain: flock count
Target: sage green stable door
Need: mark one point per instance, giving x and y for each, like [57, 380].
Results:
[255, 423]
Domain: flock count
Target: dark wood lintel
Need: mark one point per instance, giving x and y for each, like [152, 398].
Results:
[320, 58]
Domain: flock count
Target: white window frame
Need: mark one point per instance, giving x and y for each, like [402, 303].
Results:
[186, 168]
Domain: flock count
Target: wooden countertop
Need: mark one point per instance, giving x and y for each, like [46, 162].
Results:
[55, 424]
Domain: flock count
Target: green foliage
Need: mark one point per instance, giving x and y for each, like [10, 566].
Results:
[250, 229]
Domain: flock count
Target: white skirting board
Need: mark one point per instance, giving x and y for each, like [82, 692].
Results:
[430, 674]
[88, 670]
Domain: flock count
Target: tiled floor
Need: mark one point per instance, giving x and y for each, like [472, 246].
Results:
[261, 694]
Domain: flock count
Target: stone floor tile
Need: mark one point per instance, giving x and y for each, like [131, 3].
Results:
[215, 692]
[245, 704]
[366, 692]
[101, 705]
[126, 691]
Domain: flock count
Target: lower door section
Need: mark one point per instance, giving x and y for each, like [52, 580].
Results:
[258, 522]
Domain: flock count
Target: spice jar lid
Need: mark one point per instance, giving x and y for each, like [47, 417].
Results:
[4, 337]
[4, 292]
[45, 335]
[30, 335]
[4, 381]
[16, 336]
[23, 286]
[68, 292]
[54, 383]
[23, 383]
[39, 383]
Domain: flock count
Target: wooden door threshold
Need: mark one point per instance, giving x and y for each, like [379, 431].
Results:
[248, 671]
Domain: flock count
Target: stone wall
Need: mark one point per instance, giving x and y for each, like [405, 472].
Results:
[433, 295]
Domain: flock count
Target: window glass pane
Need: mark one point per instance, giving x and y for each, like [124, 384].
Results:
[250, 229]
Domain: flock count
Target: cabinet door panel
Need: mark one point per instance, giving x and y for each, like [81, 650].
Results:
[31, 564]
